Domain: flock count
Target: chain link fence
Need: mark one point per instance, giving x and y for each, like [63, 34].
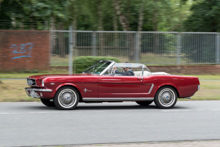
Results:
[158, 48]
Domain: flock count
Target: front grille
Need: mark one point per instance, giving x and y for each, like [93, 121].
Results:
[31, 82]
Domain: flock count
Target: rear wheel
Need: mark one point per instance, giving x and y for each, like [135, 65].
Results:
[144, 103]
[166, 97]
[47, 102]
[66, 98]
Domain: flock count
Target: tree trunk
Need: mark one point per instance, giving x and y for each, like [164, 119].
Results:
[140, 24]
[32, 27]
[100, 17]
[13, 22]
[115, 28]
[156, 35]
[115, 24]
[52, 35]
[52, 22]
[75, 51]
[21, 25]
[125, 25]
[122, 19]
[100, 28]
[128, 13]
[140, 21]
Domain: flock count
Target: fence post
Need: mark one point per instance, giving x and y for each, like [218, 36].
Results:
[51, 44]
[70, 49]
[94, 53]
[217, 50]
[137, 46]
[178, 59]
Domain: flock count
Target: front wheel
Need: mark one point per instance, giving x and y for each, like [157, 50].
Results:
[66, 98]
[166, 97]
[144, 103]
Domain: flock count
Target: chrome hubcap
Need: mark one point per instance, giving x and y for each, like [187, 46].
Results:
[67, 98]
[167, 97]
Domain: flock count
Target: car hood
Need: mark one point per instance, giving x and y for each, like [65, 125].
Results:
[59, 75]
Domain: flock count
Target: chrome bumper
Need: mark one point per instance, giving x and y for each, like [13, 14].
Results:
[32, 91]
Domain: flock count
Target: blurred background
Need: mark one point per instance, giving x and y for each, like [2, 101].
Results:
[174, 36]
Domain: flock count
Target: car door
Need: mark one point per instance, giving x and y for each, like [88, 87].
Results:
[89, 86]
[122, 86]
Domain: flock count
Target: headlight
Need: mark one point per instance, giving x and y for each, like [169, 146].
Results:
[198, 87]
[42, 83]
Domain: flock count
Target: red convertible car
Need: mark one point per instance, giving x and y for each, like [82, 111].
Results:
[108, 81]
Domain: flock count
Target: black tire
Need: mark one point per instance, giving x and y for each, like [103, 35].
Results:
[166, 97]
[47, 102]
[144, 103]
[66, 98]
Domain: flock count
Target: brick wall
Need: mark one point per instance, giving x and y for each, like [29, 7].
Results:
[24, 50]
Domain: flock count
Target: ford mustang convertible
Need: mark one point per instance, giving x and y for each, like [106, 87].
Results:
[108, 81]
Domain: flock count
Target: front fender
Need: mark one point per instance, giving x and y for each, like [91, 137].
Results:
[68, 84]
[167, 84]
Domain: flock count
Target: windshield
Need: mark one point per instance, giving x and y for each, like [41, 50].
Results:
[135, 69]
[98, 67]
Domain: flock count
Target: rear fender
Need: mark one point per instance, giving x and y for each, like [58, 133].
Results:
[168, 84]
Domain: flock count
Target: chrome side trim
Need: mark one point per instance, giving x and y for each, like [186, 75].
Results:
[118, 99]
[152, 86]
[36, 89]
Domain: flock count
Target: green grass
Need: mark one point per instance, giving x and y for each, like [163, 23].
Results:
[56, 60]
[13, 91]
[210, 90]
[206, 77]
[24, 74]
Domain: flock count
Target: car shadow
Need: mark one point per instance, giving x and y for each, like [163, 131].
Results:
[116, 107]
[106, 107]
[123, 107]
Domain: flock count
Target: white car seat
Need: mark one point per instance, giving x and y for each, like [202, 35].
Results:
[139, 73]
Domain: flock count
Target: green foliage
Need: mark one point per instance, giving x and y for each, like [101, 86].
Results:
[86, 14]
[81, 63]
[205, 17]
[29, 12]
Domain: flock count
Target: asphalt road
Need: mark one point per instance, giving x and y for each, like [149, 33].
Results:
[31, 123]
